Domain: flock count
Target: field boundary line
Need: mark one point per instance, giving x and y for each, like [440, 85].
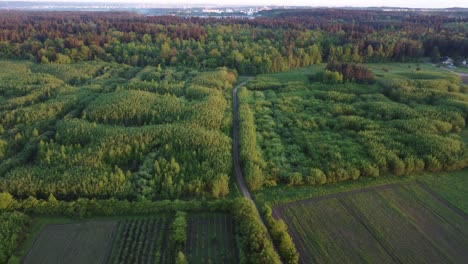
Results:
[295, 236]
[442, 200]
[335, 195]
[108, 256]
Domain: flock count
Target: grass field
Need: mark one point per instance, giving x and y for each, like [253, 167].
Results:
[86, 242]
[449, 185]
[387, 224]
[210, 239]
[145, 240]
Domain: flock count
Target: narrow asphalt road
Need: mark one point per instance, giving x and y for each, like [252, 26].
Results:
[235, 145]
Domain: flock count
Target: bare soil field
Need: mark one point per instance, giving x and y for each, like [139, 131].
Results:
[86, 242]
[398, 223]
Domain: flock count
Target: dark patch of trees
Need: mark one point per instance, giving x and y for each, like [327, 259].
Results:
[352, 72]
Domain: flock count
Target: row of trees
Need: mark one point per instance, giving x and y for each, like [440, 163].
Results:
[250, 158]
[254, 239]
[283, 241]
[177, 237]
[12, 227]
[255, 244]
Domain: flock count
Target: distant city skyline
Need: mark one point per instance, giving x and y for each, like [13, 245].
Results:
[312, 3]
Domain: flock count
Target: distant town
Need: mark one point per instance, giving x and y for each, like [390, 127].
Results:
[179, 9]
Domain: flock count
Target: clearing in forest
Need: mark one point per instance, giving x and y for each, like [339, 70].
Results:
[386, 224]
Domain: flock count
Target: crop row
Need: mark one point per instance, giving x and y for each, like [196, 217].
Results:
[210, 239]
[141, 241]
[402, 223]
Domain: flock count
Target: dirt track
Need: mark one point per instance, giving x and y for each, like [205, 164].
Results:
[235, 145]
[463, 76]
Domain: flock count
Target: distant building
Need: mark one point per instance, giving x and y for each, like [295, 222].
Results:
[447, 61]
[215, 11]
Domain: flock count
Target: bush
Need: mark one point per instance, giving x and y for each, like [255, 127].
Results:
[178, 236]
[316, 177]
[294, 178]
[12, 225]
[329, 77]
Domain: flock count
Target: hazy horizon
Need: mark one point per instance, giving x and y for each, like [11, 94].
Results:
[313, 3]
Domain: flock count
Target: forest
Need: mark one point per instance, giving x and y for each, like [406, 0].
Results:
[102, 130]
[279, 40]
[126, 124]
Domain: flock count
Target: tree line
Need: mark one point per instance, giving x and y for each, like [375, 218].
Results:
[255, 244]
[272, 43]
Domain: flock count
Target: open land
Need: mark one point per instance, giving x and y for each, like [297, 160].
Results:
[397, 223]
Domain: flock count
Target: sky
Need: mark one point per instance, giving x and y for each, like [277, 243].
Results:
[331, 3]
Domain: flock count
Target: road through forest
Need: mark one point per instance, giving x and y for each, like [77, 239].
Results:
[235, 154]
[235, 144]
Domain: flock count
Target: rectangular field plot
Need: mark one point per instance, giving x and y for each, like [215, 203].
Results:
[211, 239]
[142, 240]
[86, 242]
[389, 224]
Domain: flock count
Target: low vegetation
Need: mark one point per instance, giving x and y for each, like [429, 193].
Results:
[398, 223]
[142, 240]
[86, 242]
[408, 122]
[211, 238]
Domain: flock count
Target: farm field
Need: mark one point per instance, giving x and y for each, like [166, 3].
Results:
[142, 240]
[86, 242]
[390, 224]
[210, 239]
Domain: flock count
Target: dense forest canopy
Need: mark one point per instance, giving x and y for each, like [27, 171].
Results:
[104, 130]
[277, 41]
